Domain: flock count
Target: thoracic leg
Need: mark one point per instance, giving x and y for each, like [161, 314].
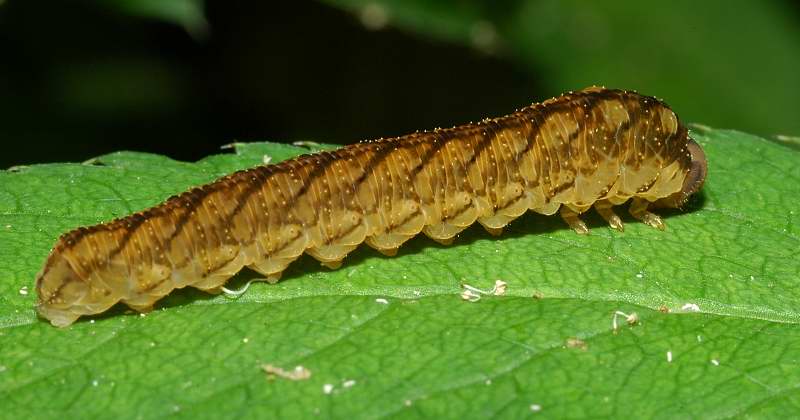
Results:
[638, 210]
[604, 208]
[572, 219]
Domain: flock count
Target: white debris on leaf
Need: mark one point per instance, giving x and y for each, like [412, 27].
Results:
[473, 294]
[669, 356]
[690, 307]
[715, 362]
[576, 343]
[299, 372]
[327, 389]
[348, 383]
[23, 290]
[266, 159]
[233, 294]
[382, 301]
[500, 287]
[536, 408]
[632, 319]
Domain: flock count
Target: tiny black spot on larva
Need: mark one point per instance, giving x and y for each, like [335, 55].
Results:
[567, 153]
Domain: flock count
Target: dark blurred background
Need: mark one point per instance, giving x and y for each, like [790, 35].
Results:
[79, 78]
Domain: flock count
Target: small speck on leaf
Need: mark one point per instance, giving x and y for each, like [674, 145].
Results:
[577, 343]
[470, 296]
[690, 307]
[500, 287]
[632, 319]
[299, 373]
[473, 294]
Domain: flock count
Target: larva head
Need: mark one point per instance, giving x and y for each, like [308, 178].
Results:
[61, 291]
[693, 182]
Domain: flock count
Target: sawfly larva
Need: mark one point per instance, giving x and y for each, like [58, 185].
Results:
[593, 148]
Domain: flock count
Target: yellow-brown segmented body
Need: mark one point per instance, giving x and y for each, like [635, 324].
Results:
[596, 147]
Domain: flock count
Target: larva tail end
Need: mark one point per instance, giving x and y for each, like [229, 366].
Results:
[694, 180]
[62, 293]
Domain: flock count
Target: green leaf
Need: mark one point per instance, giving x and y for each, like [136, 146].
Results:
[547, 347]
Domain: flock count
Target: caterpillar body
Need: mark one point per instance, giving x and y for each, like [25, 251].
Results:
[596, 147]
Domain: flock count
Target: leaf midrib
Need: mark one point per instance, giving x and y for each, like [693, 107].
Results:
[406, 293]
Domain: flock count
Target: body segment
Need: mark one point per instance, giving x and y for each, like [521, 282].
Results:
[595, 147]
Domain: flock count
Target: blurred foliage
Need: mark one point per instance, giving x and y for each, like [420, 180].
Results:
[186, 13]
[731, 63]
[182, 77]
